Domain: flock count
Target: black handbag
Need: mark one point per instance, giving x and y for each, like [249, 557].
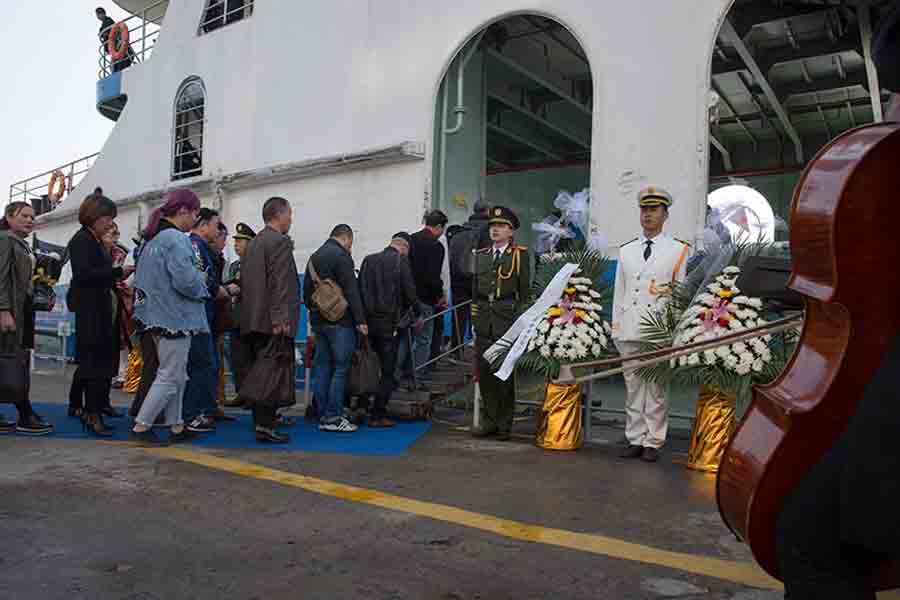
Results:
[365, 370]
[14, 376]
[270, 381]
[44, 298]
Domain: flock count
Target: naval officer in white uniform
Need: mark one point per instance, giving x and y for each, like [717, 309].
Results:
[648, 266]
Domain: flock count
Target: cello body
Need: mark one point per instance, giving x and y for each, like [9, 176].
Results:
[846, 263]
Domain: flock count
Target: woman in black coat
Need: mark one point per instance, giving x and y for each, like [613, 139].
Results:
[93, 281]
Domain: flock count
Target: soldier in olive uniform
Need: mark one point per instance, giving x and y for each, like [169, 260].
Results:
[500, 296]
[240, 357]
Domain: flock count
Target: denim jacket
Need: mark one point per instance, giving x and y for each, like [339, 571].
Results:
[169, 289]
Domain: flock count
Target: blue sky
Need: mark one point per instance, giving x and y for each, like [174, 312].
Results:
[48, 61]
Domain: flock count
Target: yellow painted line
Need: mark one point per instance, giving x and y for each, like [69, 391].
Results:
[737, 572]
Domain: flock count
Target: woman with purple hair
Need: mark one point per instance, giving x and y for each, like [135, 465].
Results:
[169, 306]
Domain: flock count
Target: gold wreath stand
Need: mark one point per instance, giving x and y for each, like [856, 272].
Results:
[133, 371]
[714, 424]
[560, 426]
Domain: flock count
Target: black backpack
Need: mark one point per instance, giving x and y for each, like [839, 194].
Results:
[462, 246]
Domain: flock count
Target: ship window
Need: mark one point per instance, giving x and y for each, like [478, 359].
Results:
[219, 13]
[190, 105]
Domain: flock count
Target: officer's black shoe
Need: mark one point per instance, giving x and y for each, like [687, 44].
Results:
[483, 432]
[503, 436]
[650, 455]
[630, 451]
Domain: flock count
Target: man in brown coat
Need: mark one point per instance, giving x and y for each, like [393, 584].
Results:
[270, 304]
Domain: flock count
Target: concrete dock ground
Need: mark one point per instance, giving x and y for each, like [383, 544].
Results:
[452, 518]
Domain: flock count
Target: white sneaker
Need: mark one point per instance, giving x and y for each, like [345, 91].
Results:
[342, 426]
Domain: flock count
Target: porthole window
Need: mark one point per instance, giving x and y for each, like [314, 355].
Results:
[219, 13]
[190, 108]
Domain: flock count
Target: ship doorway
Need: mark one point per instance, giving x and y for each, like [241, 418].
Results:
[513, 122]
[787, 78]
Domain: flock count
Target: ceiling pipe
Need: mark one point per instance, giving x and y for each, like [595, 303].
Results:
[460, 108]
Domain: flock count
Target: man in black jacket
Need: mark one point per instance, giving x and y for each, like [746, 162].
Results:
[335, 341]
[426, 256]
[472, 235]
[388, 291]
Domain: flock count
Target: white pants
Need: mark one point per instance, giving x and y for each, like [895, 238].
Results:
[646, 405]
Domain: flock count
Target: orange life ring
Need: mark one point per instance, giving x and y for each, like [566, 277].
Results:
[57, 180]
[117, 53]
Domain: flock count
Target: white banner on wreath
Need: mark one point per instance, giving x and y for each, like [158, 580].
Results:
[523, 329]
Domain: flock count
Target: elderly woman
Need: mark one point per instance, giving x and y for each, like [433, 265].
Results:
[93, 280]
[16, 313]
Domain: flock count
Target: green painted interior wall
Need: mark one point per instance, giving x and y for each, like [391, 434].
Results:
[531, 193]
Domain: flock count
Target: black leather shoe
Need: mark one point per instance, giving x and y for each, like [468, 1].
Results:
[483, 432]
[112, 413]
[270, 436]
[650, 455]
[630, 451]
[503, 436]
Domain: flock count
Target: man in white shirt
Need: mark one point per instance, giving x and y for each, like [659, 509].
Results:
[648, 267]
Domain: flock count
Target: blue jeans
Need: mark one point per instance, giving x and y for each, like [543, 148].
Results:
[334, 350]
[422, 342]
[203, 377]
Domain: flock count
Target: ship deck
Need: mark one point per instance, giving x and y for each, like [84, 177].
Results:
[450, 518]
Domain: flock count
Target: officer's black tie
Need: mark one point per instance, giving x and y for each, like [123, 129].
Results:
[648, 251]
[497, 254]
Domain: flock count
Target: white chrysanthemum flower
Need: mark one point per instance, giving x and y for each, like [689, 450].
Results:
[766, 355]
[539, 340]
[728, 283]
[736, 325]
[606, 327]
[544, 326]
[706, 299]
[560, 352]
[723, 351]
[596, 349]
[742, 369]
[739, 348]
[596, 307]
[715, 288]
[731, 361]
[694, 359]
[572, 354]
[682, 360]
[747, 358]
[732, 270]
[758, 365]
[755, 303]
[595, 294]
[588, 318]
[546, 351]
[531, 345]
[709, 357]
[759, 346]
[581, 288]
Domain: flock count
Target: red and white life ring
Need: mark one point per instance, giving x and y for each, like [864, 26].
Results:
[119, 31]
[57, 187]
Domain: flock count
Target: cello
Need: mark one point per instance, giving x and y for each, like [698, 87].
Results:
[845, 259]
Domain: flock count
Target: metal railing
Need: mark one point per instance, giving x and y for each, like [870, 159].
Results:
[219, 13]
[143, 30]
[457, 349]
[35, 189]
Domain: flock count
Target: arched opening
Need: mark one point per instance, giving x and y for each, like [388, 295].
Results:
[189, 120]
[787, 78]
[513, 121]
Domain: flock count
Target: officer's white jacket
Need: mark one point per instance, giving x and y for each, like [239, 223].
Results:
[642, 284]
